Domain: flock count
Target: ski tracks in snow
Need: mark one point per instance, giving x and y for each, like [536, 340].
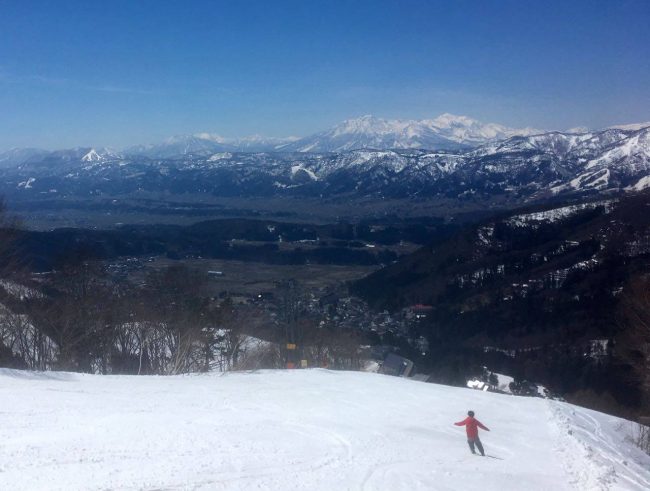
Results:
[579, 432]
[296, 430]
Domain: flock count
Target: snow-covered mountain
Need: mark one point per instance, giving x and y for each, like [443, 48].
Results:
[518, 169]
[179, 146]
[299, 429]
[446, 132]
[609, 159]
[205, 144]
[83, 154]
[259, 143]
[17, 156]
[631, 126]
[515, 170]
[100, 155]
[470, 131]
[34, 156]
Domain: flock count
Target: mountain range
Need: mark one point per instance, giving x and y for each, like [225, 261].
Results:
[446, 132]
[476, 164]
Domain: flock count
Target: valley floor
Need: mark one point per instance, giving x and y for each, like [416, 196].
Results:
[297, 430]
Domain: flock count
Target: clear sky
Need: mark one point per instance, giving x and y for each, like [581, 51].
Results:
[109, 72]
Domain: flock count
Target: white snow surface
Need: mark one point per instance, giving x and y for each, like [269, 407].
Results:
[297, 430]
[504, 382]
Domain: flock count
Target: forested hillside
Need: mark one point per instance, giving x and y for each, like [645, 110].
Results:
[540, 293]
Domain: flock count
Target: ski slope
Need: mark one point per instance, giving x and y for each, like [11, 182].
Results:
[297, 430]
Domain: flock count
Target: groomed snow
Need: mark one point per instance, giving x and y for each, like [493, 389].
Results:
[297, 430]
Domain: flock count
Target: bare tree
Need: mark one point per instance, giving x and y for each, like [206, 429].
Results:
[19, 341]
[180, 321]
[36, 350]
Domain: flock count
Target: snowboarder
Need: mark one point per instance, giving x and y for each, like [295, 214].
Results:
[471, 426]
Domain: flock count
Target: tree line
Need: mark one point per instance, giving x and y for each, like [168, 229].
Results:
[77, 317]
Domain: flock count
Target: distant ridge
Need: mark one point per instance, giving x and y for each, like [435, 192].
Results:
[446, 132]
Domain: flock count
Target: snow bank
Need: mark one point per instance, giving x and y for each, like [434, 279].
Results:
[504, 382]
[291, 430]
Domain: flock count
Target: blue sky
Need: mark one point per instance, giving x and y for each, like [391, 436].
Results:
[122, 72]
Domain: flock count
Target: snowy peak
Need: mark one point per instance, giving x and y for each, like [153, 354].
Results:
[447, 120]
[468, 130]
[91, 156]
[213, 137]
[100, 155]
[446, 132]
[367, 125]
[632, 126]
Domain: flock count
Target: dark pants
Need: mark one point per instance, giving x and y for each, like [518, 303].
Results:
[477, 442]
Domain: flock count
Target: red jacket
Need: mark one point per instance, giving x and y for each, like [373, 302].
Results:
[471, 426]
